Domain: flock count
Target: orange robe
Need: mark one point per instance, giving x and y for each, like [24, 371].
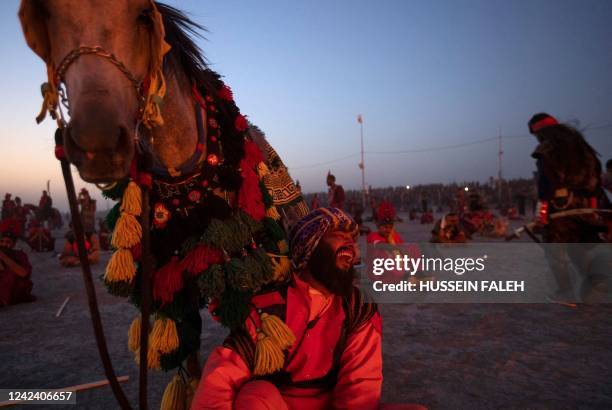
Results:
[227, 377]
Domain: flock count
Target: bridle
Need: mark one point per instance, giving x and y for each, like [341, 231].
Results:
[72, 56]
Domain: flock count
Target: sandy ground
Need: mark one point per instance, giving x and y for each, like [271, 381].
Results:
[444, 356]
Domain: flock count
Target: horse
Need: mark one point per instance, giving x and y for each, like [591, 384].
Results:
[141, 114]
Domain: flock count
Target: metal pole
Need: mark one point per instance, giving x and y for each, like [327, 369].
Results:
[363, 187]
[499, 169]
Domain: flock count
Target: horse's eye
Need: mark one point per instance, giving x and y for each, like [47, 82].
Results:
[145, 19]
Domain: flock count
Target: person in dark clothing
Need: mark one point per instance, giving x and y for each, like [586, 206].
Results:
[568, 178]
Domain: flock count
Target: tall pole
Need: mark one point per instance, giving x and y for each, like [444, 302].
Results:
[499, 169]
[363, 187]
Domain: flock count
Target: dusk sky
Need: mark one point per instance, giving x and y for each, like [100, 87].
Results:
[424, 74]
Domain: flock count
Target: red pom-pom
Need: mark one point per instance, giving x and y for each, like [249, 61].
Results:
[200, 258]
[59, 152]
[241, 123]
[145, 179]
[250, 199]
[226, 93]
[168, 280]
[252, 154]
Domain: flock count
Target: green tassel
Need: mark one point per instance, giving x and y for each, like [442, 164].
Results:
[265, 194]
[212, 282]
[238, 277]
[120, 289]
[112, 216]
[275, 232]
[116, 191]
[233, 309]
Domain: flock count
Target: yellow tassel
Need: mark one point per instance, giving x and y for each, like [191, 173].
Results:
[272, 212]
[127, 233]
[132, 200]
[152, 359]
[191, 389]
[134, 335]
[269, 357]
[283, 246]
[262, 170]
[164, 336]
[175, 395]
[281, 266]
[275, 328]
[120, 267]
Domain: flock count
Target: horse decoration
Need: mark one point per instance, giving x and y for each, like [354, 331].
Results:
[217, 220]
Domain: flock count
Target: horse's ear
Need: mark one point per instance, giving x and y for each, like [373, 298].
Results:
[159, 47]
[32, 16]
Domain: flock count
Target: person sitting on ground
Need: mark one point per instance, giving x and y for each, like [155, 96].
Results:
[334, 357]
[385, 221]
[427, 217]
[70, 255]
[15, 269]
[448, 230]
[39, 238]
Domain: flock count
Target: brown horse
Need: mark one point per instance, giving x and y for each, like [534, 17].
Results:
[112, 63]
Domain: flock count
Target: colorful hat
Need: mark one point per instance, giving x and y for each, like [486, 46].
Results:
[307, 233]
[385, 213]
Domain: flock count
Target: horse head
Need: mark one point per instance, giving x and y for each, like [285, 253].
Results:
[104, 52]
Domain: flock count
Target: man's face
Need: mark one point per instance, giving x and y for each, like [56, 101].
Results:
[385, 229]
[330, 181]
[332, 262]
[6, 242]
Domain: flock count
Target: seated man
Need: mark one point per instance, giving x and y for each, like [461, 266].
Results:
[70, 255]
[15, 269]
[334, 359]
[39, 238]
[385, 220]
[448, 230]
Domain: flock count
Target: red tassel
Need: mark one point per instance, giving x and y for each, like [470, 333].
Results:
[200, 258]
[168, 280]
[252, 154]
[249, 197]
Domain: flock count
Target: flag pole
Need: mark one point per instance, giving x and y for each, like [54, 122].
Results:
[362, 165]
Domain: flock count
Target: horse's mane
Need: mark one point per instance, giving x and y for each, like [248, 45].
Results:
[185, 55]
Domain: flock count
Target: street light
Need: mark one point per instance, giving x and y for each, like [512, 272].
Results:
[466, 189]
[407, 186]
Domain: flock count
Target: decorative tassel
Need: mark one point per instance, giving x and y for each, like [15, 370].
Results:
[152, 358]
[132, 200]
[269, 357]
[120, 267]
[168, 280]
[134, 335]
[127, 233]
[250, 199]
[278, 330]
[281, 266]
[164, 337]
[175, 395]
[157, 90]
[200, 258]
[191, 389]
[262, 170]
[272, 212]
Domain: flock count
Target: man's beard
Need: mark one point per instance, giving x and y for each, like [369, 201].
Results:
[322, 267]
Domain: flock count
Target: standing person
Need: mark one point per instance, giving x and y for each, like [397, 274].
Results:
[568, 177]
[45, 206]
[8, 207]
[335, 195]
[88, 210]
[314, 204]
[334, 358]
[15, 269]
[19, 214]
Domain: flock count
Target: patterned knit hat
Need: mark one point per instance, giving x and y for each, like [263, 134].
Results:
[306, 234]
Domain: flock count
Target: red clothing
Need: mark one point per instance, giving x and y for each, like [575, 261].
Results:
[375, 238]
[359, 379]
[336, 197]
[14, 288]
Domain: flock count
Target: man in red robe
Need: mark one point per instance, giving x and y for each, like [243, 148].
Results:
[15, 269]
[385, 221]
[335, 193]
[334, 359]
